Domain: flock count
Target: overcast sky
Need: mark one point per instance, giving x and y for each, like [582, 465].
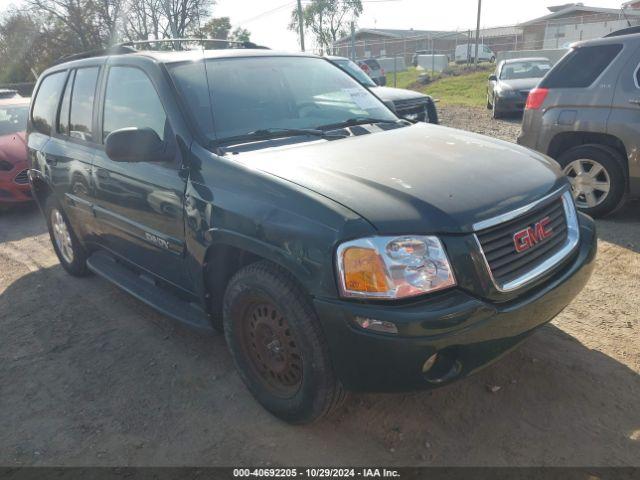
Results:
[268, 19]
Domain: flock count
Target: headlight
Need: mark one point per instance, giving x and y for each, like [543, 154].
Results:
[393, 267]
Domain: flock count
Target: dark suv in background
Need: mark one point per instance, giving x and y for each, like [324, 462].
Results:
[585, 114]
[271, 196]
[408, 104]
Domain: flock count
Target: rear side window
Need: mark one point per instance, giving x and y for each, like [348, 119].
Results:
[581, 67]
[46, 102]
[63, 118]
[81, 113]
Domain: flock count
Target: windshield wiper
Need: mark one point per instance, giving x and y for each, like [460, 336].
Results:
[351, 122]
[272, 133]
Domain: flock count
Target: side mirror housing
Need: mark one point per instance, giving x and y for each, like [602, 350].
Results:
[493, 78]
[136, 145]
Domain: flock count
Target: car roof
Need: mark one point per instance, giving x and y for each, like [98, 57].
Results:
[168, 57]
[631, 38]
[525, 59]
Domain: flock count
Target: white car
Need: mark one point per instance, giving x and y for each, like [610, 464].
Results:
[467, 53]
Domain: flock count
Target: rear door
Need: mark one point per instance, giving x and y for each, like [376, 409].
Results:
[139, 206]
[63, 152]
[624, 121]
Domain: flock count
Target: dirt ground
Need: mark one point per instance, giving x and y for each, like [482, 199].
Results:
[91, 376]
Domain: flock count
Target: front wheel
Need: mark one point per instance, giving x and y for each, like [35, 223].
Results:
[276, 342]
[70, 252]
[596, 177]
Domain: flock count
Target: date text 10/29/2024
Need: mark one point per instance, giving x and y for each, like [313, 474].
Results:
[315, 473]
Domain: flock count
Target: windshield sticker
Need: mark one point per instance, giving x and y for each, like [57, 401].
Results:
[361, 98]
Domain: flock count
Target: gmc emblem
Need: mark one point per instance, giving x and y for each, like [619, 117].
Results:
[527, 238]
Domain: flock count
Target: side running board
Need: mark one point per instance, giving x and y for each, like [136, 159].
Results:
[146, 290]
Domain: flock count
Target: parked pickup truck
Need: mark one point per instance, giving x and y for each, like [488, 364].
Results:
[271, 196]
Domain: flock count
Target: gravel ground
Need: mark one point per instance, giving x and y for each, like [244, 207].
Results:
[91, 376]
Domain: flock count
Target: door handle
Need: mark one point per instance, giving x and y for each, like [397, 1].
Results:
[635, 101]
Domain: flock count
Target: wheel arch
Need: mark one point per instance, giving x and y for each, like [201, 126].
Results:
[565, 141]
[41, 190]
[224, 258]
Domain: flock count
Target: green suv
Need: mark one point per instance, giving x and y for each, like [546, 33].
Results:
[274, 198]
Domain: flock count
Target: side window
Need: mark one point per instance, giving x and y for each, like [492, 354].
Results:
[581, 67]
[63, 117]
[81, 111]
[46, 102]
[131, 101]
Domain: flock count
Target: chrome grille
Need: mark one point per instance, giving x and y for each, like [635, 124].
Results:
[22, 178]
[414, 106]
[511, 269]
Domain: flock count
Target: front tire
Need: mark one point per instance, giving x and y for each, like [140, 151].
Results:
[596, 176]
[276, 342]
[70, 252]
[495, 112]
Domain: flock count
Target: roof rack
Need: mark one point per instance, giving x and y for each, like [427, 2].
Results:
[173, 41]
[624, 31]
[115, 50]
[130, 47]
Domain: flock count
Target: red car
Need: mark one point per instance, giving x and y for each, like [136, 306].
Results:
[14, 182]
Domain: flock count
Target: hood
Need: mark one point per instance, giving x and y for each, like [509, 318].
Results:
[421, 178]
[520, 84]
[13, 148]
[395, 94]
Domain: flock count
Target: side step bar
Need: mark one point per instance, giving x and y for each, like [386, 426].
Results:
[145, 289]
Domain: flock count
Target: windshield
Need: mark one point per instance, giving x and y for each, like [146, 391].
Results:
[519, 70]
[229, 97]
[13, 119]
[350, 67]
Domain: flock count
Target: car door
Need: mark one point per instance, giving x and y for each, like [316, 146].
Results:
[66, 156]
[624, 120]
[139, 205]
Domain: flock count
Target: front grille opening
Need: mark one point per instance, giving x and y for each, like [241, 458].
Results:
[22, 178]
[499, 247]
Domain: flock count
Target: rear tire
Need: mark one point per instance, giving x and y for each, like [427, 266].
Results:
[278, 347]
[71, 254]
[597, 178]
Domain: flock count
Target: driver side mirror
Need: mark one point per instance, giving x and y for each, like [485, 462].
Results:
[493, 78]
[136, 145]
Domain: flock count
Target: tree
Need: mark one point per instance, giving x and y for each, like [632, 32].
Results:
[327, 20]
[216, 28]
[241, 35]
[183, 16]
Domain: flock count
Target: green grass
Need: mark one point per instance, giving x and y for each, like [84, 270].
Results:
[453, 87]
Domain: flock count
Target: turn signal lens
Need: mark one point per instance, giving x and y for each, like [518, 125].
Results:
[536, 98]
[364, 271]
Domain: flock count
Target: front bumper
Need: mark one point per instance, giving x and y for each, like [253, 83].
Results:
[510, 104]
[467, 332]
[12, 192]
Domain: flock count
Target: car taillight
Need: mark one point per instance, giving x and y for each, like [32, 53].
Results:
[365, 68]
[536, 98]
[382, 71]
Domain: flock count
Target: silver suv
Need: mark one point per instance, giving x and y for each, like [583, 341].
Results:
[585, 113]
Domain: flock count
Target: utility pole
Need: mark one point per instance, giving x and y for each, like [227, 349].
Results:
[478, 33]
[353, 41]
[301, 25]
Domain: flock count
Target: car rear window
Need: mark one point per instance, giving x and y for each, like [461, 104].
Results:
[372, 63]
[581, 67]
[46, 102]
